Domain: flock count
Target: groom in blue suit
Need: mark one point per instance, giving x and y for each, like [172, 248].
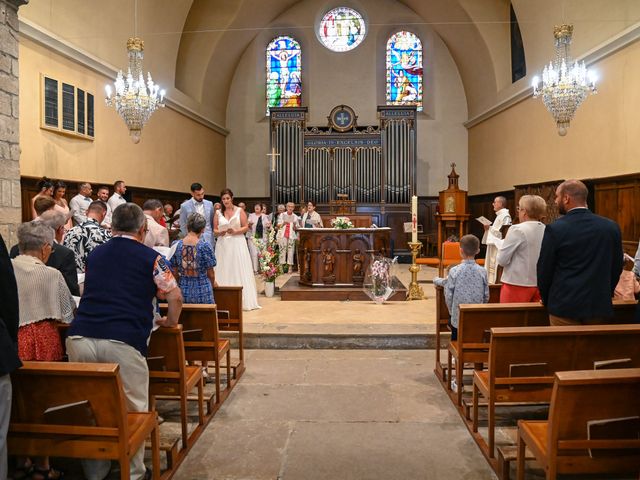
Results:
[197, 203]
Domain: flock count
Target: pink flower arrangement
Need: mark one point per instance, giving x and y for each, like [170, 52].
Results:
[268, 255]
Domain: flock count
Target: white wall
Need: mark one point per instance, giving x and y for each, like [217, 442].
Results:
[355, 78]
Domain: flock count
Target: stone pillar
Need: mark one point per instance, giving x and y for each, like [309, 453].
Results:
[10, 198]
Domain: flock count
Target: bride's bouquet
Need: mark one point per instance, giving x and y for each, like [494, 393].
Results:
[268, 256]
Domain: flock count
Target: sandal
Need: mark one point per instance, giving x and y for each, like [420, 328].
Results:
[23, 472]
[46, 474]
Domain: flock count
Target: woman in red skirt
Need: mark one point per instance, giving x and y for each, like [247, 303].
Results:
[44, 299]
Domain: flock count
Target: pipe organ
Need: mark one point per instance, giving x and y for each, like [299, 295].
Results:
[374, 165]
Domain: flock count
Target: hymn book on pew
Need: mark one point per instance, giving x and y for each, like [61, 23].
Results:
[76, 413]
[623, 428]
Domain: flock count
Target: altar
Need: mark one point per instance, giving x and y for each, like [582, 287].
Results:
[333, 263]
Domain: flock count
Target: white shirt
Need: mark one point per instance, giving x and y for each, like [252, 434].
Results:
[106, 223]
[115, 200]
[199, 207]
[157, 235]
[519, 253]
[78, 207]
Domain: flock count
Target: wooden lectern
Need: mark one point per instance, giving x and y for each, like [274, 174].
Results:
[453, 207]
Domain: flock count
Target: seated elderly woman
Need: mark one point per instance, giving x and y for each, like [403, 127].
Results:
[44, 298]
[193, 262]
[519, 252]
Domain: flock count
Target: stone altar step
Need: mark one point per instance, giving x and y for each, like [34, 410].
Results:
[371, 337]
[293, 291]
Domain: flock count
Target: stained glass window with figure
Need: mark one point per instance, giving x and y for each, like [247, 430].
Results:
[284, 73]
[404, 70]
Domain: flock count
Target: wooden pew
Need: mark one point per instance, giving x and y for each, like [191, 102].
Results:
[170, 376]
[474, 324]
[593, 426]
[229, 303]
[202, 343]
[82, 415]
[442, 324]
[523, 361]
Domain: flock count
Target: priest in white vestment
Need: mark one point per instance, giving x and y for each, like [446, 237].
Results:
[493, 236]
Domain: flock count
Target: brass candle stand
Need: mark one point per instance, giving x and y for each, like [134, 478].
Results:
[415, 291]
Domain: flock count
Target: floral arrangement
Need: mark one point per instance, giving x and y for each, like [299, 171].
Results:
[268, 256]
[380, 283]
[341, 222]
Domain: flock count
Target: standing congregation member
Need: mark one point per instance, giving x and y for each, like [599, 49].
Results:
[157, 235]
[45, 189]
[311, 218]
[117, 199]
[467, 282]
[232, 254]
[259, 225]
[83, 238]
[44, 300]
[168, 215]
[493, 236]
[43, 204]
[61, 258]
[59, 191]
[287, 225]
[9, 360]
[80, 203]
[116, 314]
[519, 252]
[198, 204]
[193, 262]
[580, 261]
[103, 195]
[43, 294]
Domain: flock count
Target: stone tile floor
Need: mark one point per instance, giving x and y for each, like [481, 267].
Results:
[336, 414]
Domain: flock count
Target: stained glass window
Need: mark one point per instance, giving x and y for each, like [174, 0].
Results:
[342, 29]
[284, 72]
[404, 70]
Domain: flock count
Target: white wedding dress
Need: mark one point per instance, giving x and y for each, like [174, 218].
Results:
[234, 262]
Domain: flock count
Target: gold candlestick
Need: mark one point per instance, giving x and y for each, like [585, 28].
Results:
[415, 291]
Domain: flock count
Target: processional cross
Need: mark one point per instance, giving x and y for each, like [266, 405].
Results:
[273, 156]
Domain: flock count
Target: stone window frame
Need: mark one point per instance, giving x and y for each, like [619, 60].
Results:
[88, 123]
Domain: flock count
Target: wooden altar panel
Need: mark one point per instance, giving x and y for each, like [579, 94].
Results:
[315, 244]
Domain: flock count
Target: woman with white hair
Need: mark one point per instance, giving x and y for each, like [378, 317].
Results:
[518, 253]
[44, 299]
[42, 293]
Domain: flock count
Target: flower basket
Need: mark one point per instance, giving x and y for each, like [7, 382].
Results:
[341, 222]
[380, 282]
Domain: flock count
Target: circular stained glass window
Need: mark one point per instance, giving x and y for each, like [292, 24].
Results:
[342, 29]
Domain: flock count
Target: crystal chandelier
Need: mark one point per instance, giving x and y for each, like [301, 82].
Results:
[135, 100]
[565, 83]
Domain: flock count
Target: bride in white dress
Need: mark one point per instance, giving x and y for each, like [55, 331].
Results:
[232, 254]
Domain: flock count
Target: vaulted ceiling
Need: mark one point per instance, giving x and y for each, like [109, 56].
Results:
[193, 46]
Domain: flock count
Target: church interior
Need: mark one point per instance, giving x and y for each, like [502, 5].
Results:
[257, 100]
